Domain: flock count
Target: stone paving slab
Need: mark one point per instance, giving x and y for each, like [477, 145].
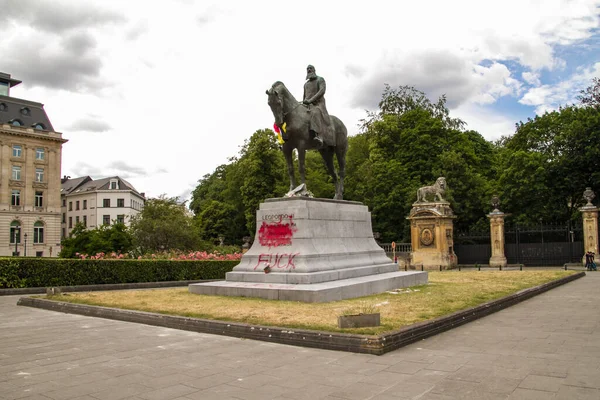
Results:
[543, 348]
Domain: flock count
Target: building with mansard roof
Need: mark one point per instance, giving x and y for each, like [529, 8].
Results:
[30, 183]
[98, 202]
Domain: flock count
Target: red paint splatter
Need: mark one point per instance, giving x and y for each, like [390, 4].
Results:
[284, 260]
[276, 234]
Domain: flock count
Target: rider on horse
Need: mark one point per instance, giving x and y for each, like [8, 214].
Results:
[314, 92]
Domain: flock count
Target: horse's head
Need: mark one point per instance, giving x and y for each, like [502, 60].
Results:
[275, 101]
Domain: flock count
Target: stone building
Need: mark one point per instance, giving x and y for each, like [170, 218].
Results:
[30, 162]
[98, 202]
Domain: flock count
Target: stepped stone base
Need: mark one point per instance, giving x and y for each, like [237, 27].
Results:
[312, 250]
[315, 292]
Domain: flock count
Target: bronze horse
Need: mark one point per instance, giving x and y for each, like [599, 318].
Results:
[295, 115]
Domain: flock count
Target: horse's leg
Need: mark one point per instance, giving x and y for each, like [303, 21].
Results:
[327, 154]
[301, 164]
[288, 152]
[340, 153]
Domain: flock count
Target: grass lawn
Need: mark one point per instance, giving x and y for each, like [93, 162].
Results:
[446, 292]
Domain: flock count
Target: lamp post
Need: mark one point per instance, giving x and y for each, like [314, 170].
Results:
[16, 241]
[25, 248]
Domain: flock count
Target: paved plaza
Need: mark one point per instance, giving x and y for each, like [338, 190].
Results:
[547, 347]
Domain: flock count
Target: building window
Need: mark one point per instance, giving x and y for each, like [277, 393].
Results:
[39, 126]
[39, 174]
[64, 202]
[77, 205]
[70, 206]
[17, 150]
[15, 232]
[85, 221]
[40, 154]
[114, 185]
[106, 219]
[15, 199]
[64, 219]
[15, 122]
[121, 219]
[25, 111]
[76, 219]
[106, 203]
[120, 202]
[16, 173]
[39, 253]
[85, 204]
[70, 222]
[63, 233]
[38, 232]
[39, 199]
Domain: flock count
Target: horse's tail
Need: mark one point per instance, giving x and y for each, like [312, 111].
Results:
[341, 134]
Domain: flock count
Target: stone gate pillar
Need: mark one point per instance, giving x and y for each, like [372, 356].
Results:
[431, 232]
[498, 258]
[589, 213]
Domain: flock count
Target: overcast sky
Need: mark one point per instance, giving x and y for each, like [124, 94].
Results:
[162, 92]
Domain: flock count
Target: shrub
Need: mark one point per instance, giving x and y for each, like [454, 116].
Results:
[44, 272]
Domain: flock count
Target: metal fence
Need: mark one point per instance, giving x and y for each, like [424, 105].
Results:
[533, 245]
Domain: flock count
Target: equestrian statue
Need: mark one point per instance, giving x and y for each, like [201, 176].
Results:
[307, 125]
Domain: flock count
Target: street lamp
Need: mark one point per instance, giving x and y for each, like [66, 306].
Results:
[25, 248]
[16, 241]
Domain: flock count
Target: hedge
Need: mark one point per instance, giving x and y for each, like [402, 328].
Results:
[17, 272]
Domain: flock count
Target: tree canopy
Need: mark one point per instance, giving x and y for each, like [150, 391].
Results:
[164, 224]
[409, 142]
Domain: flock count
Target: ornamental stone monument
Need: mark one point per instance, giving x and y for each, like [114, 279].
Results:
[498, 259]
[432, 229]
[312, 250]
[589, 213]
[308, 249]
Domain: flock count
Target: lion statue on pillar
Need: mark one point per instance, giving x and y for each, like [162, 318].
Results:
[438, 189]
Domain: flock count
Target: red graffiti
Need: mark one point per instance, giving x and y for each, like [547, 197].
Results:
[276, 234]
[282, 261]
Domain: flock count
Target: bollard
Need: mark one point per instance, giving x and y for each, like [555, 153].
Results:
[478, 267]
[500, 267]
[406, 267]
[565, 267]
[459, 268]
[421, 267]
[440, 268]
[521, 267]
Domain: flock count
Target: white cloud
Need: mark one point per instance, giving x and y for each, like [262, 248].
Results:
[181, 87]
[533, 78]
[550, 97]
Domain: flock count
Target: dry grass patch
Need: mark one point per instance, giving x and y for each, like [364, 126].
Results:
[446, 292]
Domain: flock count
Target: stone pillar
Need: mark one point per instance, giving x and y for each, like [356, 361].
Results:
[498, 259]
[589, 213]
[431, 232]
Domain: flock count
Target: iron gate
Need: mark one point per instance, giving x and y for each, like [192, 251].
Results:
[532, 245]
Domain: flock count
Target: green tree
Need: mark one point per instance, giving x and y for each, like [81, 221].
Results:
[164, 224]
[548, 163]
[263, 175]
[590, 96]
[410, 142]
[103, 239]
[217, 218]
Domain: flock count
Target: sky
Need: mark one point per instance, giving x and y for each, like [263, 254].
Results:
[161, 93]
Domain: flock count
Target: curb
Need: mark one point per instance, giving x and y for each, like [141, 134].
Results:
[107, 286]
[375, 344]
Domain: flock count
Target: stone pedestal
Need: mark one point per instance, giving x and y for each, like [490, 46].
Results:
[312, 250]
[431, 232]
[590, 228]
[498, 258]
